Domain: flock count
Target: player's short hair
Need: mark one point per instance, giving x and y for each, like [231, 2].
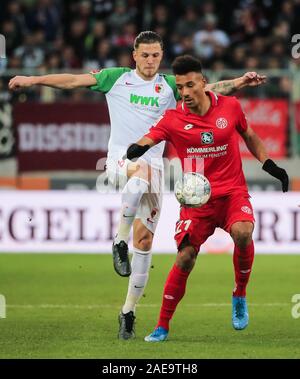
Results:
[148, 37]
[186, 63]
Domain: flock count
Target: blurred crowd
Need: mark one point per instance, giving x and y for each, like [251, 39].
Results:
[244, 34]
[88, 34]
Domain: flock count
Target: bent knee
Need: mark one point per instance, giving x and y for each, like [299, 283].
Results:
[143, 242]
[241, 233]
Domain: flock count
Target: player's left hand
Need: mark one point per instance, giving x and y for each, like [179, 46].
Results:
[253, 79]
[278, 173]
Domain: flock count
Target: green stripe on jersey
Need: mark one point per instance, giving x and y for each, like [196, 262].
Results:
[170, 79]
[107, 77]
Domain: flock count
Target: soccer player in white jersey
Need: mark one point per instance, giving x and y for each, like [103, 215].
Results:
[136, 98]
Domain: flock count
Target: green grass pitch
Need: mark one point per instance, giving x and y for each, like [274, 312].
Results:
[66, 306]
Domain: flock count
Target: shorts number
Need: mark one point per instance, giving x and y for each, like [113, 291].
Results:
[186, 224]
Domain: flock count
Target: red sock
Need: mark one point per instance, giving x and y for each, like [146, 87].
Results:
[173, 293]
[242, 261]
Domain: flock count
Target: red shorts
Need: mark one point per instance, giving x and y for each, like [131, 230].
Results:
[200, 223]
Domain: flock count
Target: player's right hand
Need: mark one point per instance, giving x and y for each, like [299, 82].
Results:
[20, 82]
[253, 79]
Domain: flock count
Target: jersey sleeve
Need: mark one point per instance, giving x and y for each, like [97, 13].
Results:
[242, 124]
[159, 130]
[170, 79]
[106, 78]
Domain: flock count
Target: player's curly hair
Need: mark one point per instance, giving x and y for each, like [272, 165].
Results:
[147, 37]
[185, 64]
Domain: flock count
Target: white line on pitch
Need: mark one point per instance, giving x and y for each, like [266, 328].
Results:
[98, 306]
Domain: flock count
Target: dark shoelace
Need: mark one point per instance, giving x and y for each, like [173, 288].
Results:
[240, 310]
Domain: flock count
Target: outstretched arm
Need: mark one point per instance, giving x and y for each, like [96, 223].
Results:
[228, 87]
[61, 81]
[255, 144]
[257, 148]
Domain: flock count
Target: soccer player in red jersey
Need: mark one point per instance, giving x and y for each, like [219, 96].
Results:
[204, 129]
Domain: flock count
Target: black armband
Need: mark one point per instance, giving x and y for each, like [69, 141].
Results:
[136, 151]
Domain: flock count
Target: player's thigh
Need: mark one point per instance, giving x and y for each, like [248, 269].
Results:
[140, 169]
[194, 227]
[116, 170]
[119, 170]
[238, 210]
[151, 202]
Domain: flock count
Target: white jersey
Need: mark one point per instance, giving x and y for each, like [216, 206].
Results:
[134, 106]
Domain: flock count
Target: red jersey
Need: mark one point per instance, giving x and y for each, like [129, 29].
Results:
[207, 144]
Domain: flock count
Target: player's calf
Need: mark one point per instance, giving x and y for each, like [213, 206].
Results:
[187, 255]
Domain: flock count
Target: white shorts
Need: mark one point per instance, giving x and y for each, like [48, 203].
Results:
[150, 206]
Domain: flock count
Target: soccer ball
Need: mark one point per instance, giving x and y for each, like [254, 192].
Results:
[192, 190]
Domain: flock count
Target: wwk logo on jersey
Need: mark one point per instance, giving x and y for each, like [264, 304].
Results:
[207, 138]
[144, 100]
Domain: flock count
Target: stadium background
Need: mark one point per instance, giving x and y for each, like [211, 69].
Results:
[50, 143]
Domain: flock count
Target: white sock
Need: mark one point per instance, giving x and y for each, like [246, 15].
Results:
[131, 197]
[140, 266]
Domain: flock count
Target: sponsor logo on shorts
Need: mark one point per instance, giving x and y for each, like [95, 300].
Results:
[221, 123]
[246, 209]
[153, 214]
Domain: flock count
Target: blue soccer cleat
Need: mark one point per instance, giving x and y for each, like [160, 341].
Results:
[159, 334]
[240, 315]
